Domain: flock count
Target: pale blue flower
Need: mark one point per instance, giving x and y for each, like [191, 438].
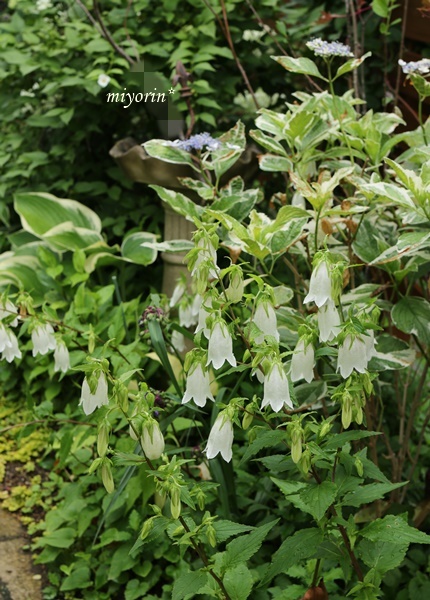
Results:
[198, 142]
[323, 48]
[422, 67]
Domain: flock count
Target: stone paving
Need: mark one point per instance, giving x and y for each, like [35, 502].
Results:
[18, 578]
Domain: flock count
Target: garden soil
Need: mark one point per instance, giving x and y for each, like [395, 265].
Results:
[18, 578]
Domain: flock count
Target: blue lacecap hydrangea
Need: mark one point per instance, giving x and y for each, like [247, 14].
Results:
[422, 67]
[199, 141]
[323, 48]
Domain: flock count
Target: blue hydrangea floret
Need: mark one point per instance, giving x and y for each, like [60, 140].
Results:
[323, 48]
[421, 67]
[198, 142]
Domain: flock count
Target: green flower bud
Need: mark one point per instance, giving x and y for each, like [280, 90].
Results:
[359, 466]
[91, 339]
[94, 465]
[175, 502]
[210, 532]
[325, 429]
[107, 476]
[160, 499]
[248, 417]
[147, 528]
[103, 437]
[296, 442]
[346, 409]
[305, 462]
[121, 395]
[201, 499]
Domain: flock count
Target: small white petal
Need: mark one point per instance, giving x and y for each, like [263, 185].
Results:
[328, 321]
[276, 389]
[221, 439]
[303, 362]
[319, 285]
[198, 387]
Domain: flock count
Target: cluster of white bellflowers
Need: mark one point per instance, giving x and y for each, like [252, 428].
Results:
[43, 338]
[355, 348]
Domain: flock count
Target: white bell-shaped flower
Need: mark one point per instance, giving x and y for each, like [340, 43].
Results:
[352, 355]
[303, 362]
[187, 314]
[89, 401]
[328, 321]
[11, 349]
[178, 341]
[4, 337]
[235, 290]
[276, 388]
[43, 339]
[320, 285]
[198, 386]
[220, 347]
[202, 316]
[61, 358]
[207, 252]
[7, 310]
[369, 340]
[265, 319]
[221, 438]
[178, 292]
[152, 440]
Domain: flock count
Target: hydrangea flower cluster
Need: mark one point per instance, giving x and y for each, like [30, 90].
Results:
[198, 142]
[323, 48]
[420, 67]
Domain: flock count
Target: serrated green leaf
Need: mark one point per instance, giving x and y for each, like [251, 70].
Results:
[241, 549]
[299, 546]
[188, 585]
[225, 529]
[381, 556]
[238, 582]
[369, 493]
[339, 439]
[264, 439]
[318, 497]
[393, 528]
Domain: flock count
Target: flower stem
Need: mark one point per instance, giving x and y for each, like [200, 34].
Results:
[420, 118]
[337, 110]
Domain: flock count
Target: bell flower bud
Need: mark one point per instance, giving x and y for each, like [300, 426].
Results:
[152, 440]
[234, 292]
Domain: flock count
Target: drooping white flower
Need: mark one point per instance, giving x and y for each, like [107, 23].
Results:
[178, 340]
[187, 315]
[265, 319]
[369, 341]
[319, 285]
[202, 316]
[303, 362]
[43, 5]
[7, 310]
[43, 339]
[207, 253]
[152, 441]
[221, 439]
[61, 358]
[352, 355]
[11, 349]
[4, 338]
[328, 321]
[234, 292]
[198, 386]
[276, 388]
[103, 80]
[89, 401]
[220, 348]
[178, 292]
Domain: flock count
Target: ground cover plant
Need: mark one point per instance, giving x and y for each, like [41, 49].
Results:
[285, 454]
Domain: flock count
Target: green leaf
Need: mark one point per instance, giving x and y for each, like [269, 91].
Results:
[394, 528]
[301, 545]
[264, 439]
[188, 585]
[168, 153]
[351, 65]
[420, 84]
[133, 250]
[340, 439]
[178, 202]
[267, 142]
[299, 65]
[319, 497]
[412, 315]
[40, 212]
[159, 345]
[241, 549]
[225, 529]
[381, 556]
[78, 579]
[380, 8]
[233, 144]
[391, 353]
[369, 493]
[238, 582]
[60, 538]
[275, 163]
